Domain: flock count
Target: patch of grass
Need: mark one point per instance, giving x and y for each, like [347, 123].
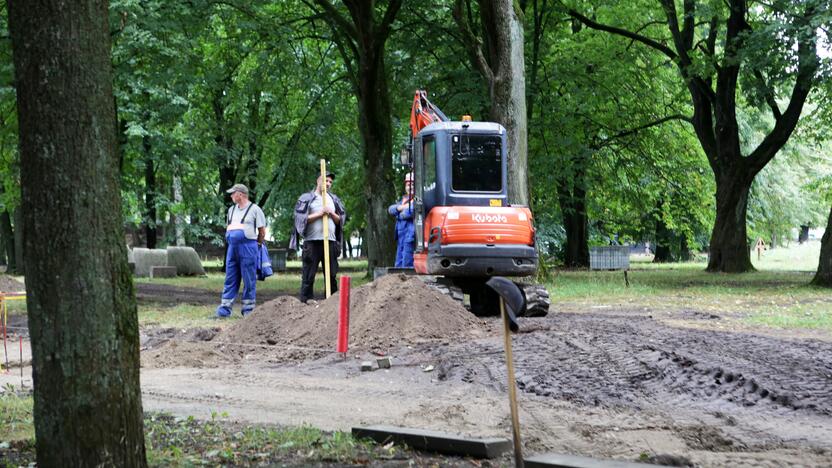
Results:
[16, 420]
[812, 316]
[282, 282]
[768, 298]
[180, 316]
[173, 441]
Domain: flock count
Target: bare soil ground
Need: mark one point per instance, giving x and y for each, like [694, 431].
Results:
[614, 382]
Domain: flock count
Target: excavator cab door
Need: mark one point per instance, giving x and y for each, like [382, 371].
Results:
[417, 166]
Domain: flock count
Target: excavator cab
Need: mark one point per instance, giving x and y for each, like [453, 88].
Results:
[466, 230]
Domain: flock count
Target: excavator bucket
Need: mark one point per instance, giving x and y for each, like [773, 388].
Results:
[512, 297]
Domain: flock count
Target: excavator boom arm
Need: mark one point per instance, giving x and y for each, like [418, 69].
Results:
[424, 113]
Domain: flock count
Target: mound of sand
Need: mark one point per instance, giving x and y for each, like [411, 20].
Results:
[393, 311]
[9, 284]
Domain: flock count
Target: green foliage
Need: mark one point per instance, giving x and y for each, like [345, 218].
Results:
[791, 191]
[257, 92]
[598, 128]
[9, 159]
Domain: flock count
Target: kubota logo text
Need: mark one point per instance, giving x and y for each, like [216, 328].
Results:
[487, 218]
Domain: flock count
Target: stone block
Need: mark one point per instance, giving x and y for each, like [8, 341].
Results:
[146, 258]
[186, 261]
[162, 272]
[366, 366]
[384, 362]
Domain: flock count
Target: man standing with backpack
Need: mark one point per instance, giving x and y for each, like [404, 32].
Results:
[245, 232]
[310, 212]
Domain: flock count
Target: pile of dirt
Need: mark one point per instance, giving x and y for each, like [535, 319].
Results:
[177, 353]
[393, 311]
[9, 284]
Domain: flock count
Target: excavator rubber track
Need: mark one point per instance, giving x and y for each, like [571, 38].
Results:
[444, 286]
[537, 297]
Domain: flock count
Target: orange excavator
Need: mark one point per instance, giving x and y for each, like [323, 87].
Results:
[466, 230]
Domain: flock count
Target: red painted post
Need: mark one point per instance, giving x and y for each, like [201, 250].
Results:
[343, 314]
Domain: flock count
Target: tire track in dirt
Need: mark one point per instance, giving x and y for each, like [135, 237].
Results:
[776, 387]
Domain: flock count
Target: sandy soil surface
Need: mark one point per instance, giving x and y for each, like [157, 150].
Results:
[612, 382]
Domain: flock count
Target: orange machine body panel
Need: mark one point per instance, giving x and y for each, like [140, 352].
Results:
[484, 232]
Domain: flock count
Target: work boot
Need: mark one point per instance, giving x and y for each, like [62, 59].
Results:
[223, 312]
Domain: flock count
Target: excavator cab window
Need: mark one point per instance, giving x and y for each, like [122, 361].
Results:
[429, 155]
[476, 164]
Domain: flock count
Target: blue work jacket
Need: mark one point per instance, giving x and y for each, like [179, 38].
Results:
[405, 231]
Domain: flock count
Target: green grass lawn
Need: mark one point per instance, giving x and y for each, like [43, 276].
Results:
[776, 295]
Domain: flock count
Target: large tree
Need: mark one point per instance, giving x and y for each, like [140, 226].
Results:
[361, 34]
[823, 277]
[497, 53]
[770, 48]
[80, 298]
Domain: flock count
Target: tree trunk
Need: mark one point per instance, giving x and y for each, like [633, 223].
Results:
[149, 194]
[803, 236]
[374, 123]
[225, 148]
[823, 277]
[80, 297]
[362, 38]
[508, 95]
[499, 57]
[19, 238]
[377, 138]
[663, 239]
[7, 233]
[576, 253]
[575, 223]
[178, 219]
[684, 251]
[729, 250]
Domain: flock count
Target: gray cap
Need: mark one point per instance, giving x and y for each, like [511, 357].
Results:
[238, 188]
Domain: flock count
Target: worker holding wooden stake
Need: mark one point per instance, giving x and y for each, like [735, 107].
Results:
[319, 215]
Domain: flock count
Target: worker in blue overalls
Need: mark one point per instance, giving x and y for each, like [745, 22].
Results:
[405, 231]
[245, 233]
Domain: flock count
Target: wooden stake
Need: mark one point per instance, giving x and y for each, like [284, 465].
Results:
[512, 389]
[326, 230]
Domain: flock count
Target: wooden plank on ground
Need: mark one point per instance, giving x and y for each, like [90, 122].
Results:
[434, 441]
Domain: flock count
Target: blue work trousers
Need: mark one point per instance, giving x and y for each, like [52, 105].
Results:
[404, 252]
[240, 264]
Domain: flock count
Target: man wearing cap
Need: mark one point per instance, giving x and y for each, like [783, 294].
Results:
[309, 224]
[245, 232]
[405, 231]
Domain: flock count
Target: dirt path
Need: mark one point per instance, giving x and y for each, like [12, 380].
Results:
[616, 382]
[605, 385]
